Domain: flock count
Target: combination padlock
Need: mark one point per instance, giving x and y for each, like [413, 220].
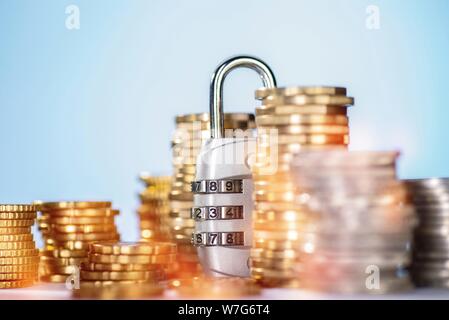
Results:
[223, 185]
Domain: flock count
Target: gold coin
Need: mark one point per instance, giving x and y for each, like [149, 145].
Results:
[105, 236]
[51, 244]
[308, 99]
[281, 265]
[19, 260]
[18, 276]
[261, 273]
[257, 253]
[15, 231]
[295, 130]
[62, 262]
[133, 248]
[286, 226]
[291, 235]
[16, 208]
[301, 109]
[114, 275]
[297, 119]
[293, 91]
[17, 245]
[55, 278]
[19, 253]
[15, 237]
[79, 220]
[65, 253]
[84, 229]
[271, 216]
[313, 139]
[262, 195]
[119, 267]
[125, 259]
[103, 212]
[16, 223]
[26, 268]
[18, 215]
[49, 269]
[45, 206]
[149, 224]
[205, 117]
[277, 244]
[16, 284]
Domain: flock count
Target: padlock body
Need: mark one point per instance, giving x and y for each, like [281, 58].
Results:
[225, 196]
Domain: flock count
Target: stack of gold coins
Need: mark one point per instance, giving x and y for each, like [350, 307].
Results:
[215, 288]
[112, 266]
[67, 229]
[430, 197]
[19, 258]
[359, 241]
[155, 208]
[192, 131]
[288, 121]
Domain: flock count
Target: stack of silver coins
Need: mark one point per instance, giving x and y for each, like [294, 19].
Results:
[430, 267]
[359, 238]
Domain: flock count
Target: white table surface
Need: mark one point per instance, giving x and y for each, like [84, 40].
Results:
[59, 292]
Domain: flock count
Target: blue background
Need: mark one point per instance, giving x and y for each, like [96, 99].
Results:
[84, 111]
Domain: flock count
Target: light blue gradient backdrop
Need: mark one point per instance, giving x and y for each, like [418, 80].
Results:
[83, 112]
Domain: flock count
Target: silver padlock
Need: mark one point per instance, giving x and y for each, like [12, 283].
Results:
[223, 186]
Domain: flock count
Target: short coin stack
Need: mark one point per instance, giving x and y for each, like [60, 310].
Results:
[430, 266]
[290, 120]
[155, 208]
[117, 265]
[192, 131]
[19, 258]
[359, 239]
[67, 229]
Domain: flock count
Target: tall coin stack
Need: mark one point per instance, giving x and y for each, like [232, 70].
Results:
[290, 120]
[67, 229]
[192, 131]
[155, 208]
[19, 258]
[125, 270]
[430, 266]
[359, 239]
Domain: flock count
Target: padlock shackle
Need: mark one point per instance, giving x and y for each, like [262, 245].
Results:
[216, 87]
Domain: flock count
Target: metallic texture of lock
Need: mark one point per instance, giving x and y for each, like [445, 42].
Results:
[223, 186]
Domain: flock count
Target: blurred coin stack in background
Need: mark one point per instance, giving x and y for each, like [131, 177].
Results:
[288, 121]
[192, 131]
[155, 208]
[359, 239]
[19, 258]
[430, 266]
[67, 230]
[125, 270]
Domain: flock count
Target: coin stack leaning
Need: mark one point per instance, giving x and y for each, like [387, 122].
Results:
[67, 229]
[430, 266]
[19, 258]
[288, 121]
[359, 238]
[113, 266]
[155, 208]
[192, 131]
